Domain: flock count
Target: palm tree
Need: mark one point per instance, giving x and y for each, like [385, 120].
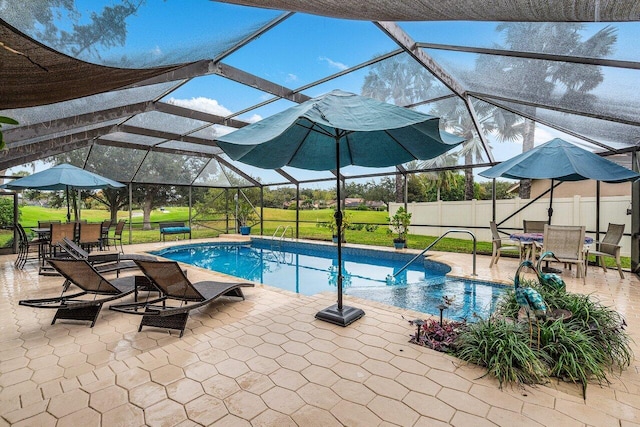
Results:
[504, 125]
[401, 81]
[441, 180]
[545, 80]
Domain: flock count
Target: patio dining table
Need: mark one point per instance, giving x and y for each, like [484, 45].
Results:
[539, 237]
[530, 238]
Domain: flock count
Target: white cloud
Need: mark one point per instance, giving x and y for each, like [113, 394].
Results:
[201, 103]
[156, 52]
[291, 77]
[339, 65]
[254, 118]
[222, 130]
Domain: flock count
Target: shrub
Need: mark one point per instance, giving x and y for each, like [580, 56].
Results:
[6, 211]
[579, 349]
[502, 347]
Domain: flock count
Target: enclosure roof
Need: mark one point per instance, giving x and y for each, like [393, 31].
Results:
[461, 10]
[140, 92]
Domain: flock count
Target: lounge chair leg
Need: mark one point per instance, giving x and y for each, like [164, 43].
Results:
[87, 313]
[176, 321]
[236, 292]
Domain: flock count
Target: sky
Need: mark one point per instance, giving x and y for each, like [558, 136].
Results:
[299, 50]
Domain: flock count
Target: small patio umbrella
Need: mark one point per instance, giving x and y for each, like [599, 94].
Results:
[334, 130]
[63, 177]
[559, 160]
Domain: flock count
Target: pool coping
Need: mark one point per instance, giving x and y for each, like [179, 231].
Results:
[434, 258]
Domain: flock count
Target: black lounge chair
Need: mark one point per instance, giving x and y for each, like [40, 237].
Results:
[173, 284]
[96, 290]
[102, 262]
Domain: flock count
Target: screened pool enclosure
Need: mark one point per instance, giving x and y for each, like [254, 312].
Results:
[139, 91]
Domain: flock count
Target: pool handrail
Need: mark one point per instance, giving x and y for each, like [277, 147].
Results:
[282, 235]
[453, 230]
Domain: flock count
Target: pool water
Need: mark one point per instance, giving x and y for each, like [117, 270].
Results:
[310, 268]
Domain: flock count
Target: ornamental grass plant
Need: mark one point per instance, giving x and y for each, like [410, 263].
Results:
[583, 348]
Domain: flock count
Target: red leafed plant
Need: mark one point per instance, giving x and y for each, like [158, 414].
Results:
[440, 337]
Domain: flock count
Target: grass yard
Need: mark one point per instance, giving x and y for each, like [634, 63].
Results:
[273, 218]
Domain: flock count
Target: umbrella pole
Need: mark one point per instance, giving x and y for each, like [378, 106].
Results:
[339, 314]
[550, 211]
[68, 208]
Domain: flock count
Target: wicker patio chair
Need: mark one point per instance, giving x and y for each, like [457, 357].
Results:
[567, 244]
[104, 235]
[173, 284]
[530, 226]
[498, 247]
[58, 232]
[96, 290]
[610, 247]
[117, 235]
[90, 235]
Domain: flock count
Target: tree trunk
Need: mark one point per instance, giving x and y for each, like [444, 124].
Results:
[74, 203]
[528, 136]
[147, 205]
[468, 177]
[113, 213]
[399, 188]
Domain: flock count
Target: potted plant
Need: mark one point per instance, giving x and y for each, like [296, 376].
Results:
[245, 215]
[399, 224]
[333, 226]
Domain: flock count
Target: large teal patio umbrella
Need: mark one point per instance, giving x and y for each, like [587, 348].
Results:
[334, 130]
[63, 177]
[559, 160]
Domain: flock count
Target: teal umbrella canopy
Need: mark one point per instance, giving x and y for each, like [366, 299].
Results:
[334, 130]
[369, 133]
[561, 161]
[61, 177]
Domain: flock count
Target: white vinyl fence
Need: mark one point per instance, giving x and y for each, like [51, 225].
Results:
[435, 218]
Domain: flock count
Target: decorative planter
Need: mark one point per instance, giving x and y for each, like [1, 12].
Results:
[335, 239]
[245, 230]
[399, 244]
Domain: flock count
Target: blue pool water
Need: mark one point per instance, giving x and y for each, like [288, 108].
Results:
[310, 268]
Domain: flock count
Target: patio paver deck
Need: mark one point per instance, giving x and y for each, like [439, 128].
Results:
[267, 361]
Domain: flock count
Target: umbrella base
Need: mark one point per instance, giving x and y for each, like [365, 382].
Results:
[343, 317]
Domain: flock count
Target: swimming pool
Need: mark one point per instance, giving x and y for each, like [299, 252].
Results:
[308, 269]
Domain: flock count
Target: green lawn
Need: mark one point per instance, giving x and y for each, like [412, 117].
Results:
[309, 220]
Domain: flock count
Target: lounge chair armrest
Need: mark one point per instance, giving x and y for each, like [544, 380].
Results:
[58, 302]
[133, 257]
[143, 308]
[103, 258]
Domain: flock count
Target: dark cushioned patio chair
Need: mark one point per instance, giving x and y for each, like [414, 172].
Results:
[96, 290]
[173, 284]
[24, 247]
